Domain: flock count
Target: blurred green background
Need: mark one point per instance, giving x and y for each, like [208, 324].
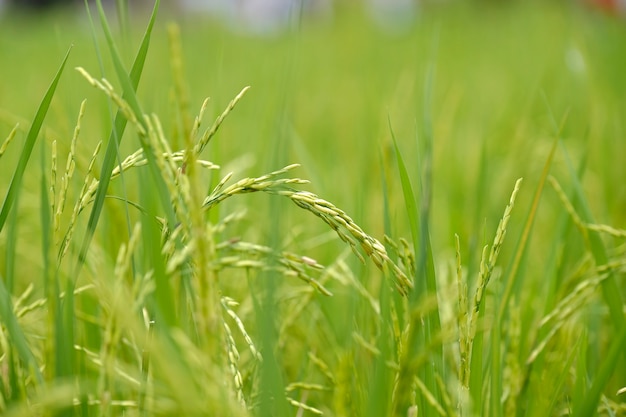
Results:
[327, 89]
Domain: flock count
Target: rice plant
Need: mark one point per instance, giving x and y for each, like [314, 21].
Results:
[143, 272]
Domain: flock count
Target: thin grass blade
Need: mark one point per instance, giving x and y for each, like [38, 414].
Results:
[31, 138]
[117, 132]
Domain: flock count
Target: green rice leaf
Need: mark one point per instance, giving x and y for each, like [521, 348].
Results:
[130, 85]
[31, 138]
[407, 190]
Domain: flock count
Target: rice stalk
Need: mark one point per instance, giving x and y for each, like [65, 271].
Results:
[486, 269]
[181, 92]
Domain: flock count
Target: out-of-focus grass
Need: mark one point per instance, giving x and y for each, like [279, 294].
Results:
[325, 94]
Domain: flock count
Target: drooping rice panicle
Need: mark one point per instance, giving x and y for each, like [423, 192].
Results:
[334, 217]
[338, 221]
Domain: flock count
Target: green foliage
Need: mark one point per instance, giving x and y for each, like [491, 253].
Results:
[189, 271]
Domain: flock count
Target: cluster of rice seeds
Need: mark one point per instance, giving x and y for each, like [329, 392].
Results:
[58, 205]
[138, 159]
[267, 183]
[227, 304]
[233, 353]
[350, 233]
[487, 265]
[250, 255]
[150, 129]
[182, 185]
[177, 185]
[402, 251]
[233, 361]
[210, 132]
[105, 86]
[87, 192]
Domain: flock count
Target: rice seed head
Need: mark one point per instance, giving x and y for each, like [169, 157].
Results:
[227, 303]
[105, 86]
[86, 195]
[7, 141]
[206, 137]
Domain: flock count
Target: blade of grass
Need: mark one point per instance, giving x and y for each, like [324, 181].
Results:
[425, 261]
[151, 235]
[6, 305]
[562, 377]
[11, 243]
[590, 402]
[610, 290]
[419, 335]
[31, 138]
[494, 359]
[407, 190]
[611, 295]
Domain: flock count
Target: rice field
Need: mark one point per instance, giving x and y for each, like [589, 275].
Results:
[329, 219]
